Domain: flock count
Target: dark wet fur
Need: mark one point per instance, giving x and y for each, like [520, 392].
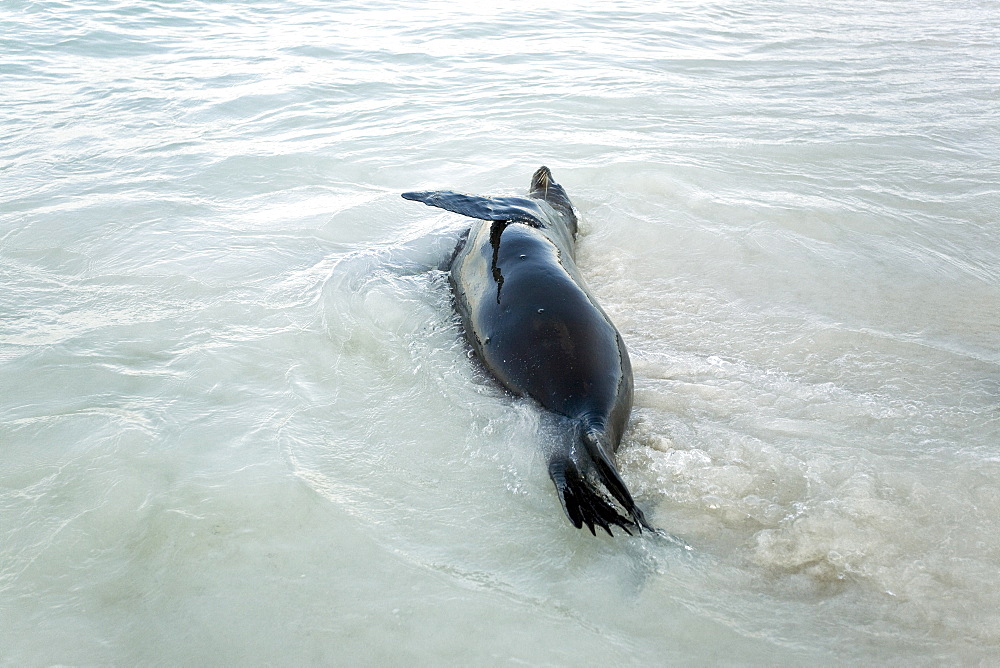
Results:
[589, 486]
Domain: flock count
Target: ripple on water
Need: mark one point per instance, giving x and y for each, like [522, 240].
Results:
[227, 351]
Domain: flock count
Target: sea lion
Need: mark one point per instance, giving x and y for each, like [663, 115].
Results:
[530, 318]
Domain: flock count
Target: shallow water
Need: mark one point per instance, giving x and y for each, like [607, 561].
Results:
[238, 423]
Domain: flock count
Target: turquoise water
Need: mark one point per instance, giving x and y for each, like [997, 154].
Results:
[238, 424]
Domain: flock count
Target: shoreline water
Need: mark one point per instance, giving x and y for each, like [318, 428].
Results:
[238, 422]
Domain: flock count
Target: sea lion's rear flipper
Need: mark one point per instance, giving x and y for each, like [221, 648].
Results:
[485, 208]
[582, 503]
[584, 480]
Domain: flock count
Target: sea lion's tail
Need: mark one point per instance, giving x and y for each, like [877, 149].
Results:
[584, 478]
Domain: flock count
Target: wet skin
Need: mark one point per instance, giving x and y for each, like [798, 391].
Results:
[529, 317]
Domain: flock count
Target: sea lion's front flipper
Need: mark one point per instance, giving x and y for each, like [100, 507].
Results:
[485, 208]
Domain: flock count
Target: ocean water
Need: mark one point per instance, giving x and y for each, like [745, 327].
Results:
[238, 424]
